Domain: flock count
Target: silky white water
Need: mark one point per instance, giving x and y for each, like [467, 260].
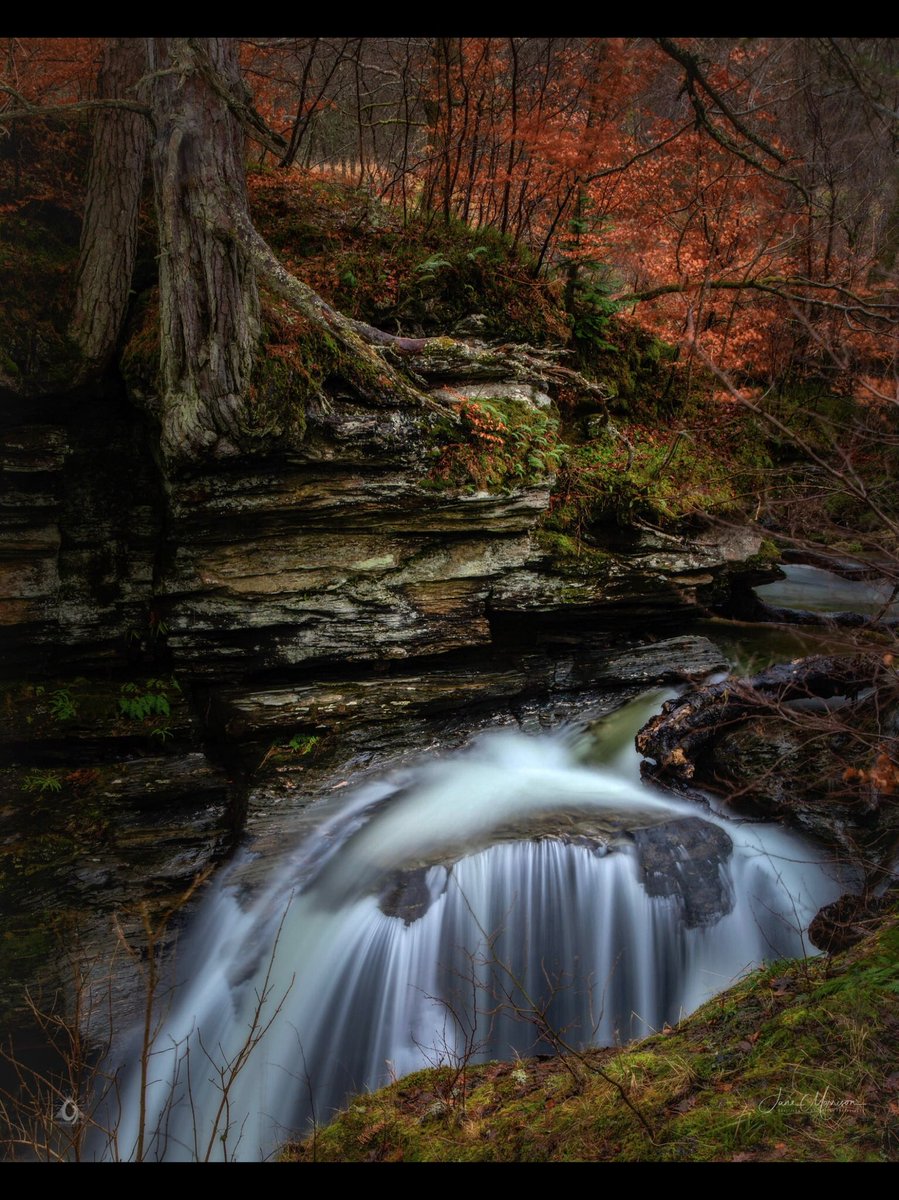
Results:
[422, 922]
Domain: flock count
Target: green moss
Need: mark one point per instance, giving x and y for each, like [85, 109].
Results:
[638, 475]
[297, 360]
[498, 445]
[810, 411]
[793, 1063]
[640, 374]
[280, 386]
[569, 555]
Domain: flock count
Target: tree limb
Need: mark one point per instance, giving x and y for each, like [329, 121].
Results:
[774, 286]
[693, 76]
[62, 110]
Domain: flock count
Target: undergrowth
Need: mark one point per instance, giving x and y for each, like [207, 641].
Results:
[417, 276]
[496, 446]
[656, 476]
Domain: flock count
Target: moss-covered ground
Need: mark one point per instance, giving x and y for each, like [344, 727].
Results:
[798, 1062]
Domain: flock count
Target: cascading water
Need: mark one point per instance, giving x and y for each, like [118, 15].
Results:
[427, 918]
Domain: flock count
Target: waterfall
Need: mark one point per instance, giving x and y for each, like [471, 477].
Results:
[429, 917]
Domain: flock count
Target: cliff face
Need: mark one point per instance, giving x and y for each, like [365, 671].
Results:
[346, 530]
[80, 529]
[345, 550]
[184, 652]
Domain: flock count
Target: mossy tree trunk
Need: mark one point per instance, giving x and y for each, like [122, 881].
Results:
[210, 255]
[209, 250]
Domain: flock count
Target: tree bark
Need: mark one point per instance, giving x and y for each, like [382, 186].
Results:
[209, 304]
[109, 231]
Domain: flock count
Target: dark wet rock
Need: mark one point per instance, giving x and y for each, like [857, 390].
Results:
[801, 774]
[373, 566]
[408, 895]
[562, 665]
[143, 784]
[846, 921]
[80, 527]
[375, 725]
[126, 820]
[116, 839]
[651, 576]
[687, 726]
[798, 742]
[685, 859]
[682, 859]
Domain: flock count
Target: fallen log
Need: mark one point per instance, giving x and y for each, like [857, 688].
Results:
[688, 725]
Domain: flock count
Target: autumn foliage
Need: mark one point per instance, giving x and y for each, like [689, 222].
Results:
[735, 196]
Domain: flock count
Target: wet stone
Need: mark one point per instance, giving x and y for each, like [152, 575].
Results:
[408, 894]
[684, 859]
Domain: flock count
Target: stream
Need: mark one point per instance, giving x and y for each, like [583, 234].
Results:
[520, 896]
[813, 589]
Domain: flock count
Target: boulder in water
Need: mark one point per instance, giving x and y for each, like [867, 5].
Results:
[685, 858]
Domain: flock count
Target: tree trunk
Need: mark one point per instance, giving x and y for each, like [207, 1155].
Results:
[109, 231]
[209, 256]
[209, 304]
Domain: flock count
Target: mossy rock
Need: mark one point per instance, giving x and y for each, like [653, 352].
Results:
[570, 556]
[633, 473]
